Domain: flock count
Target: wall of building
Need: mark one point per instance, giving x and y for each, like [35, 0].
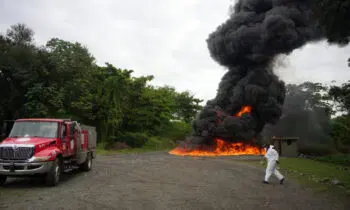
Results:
[289, 149]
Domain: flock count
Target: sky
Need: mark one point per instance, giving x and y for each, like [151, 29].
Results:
[164, 38]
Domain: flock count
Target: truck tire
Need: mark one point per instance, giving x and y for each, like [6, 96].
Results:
[86, 166]
[54, 175]
[2, 180]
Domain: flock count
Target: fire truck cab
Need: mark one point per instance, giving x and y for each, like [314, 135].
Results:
[46, 147]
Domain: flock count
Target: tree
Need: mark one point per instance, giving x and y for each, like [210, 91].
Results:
[72, 60]
[152, 110]
[20, 34]
[112, 93]
[341, 95]
[341, 132]
[20, 67]
[187, 106]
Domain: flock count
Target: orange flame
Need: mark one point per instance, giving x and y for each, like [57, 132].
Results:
[221, 147]
[245, 109]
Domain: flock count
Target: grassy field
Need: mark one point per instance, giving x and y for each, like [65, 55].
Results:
[340, 159]
[315, 175]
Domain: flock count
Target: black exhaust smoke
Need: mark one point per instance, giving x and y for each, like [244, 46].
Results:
[247, 45]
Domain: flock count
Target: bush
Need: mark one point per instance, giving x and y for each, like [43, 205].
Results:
[134, 140]
[341, 131]
[158, 143]
[176, 130]
[340, 159]
[316, 149]
[117, 146]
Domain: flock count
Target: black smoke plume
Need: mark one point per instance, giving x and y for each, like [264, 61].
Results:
[247, 44]
[304, 117]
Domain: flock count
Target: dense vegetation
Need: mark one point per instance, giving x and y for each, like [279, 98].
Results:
[62, 80]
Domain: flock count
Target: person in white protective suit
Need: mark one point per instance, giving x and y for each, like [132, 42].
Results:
[272, 160]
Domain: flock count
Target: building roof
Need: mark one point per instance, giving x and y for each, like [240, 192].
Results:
[285, 138]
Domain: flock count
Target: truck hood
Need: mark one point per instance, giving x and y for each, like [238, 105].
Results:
[27, 140]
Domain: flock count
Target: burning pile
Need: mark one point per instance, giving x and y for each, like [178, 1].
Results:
[221, 147]
[250, 95]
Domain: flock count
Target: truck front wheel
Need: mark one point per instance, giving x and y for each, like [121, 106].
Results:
[54, 175]
[86, 166]
[2, 180]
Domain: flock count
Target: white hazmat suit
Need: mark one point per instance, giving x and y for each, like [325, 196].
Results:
[272, 159]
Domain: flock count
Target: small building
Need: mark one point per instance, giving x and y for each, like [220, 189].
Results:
[286, 146]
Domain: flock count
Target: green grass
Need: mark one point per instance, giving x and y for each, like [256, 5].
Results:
[340, 159]
[153, 144]
[315, 175]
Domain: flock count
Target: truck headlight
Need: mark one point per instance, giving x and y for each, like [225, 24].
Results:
[39, 159]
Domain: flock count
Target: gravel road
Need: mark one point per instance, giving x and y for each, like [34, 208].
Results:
[162, 181]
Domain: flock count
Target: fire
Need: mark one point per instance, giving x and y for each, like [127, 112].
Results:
[245, 109]
[221, 147]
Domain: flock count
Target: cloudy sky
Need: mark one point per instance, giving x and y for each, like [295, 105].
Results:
[165, 38]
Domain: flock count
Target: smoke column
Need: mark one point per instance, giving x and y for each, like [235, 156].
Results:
[247, 45]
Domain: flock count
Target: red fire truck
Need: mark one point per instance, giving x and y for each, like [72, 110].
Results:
[46, 147]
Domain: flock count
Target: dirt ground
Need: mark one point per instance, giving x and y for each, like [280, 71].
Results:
[162, 181]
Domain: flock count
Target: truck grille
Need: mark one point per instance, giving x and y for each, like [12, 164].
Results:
[19, 153]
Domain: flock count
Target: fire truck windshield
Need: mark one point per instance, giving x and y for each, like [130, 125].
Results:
[34, 129]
